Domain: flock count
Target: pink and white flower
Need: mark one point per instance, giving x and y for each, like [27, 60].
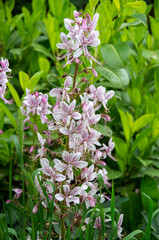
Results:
[69, 195]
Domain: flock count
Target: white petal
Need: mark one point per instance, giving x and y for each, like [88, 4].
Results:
[78, 53]
[59, 196]
[81, 164]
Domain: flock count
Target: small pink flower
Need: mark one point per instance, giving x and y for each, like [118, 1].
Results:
[18, 192]
[69, 195]
[119, 228]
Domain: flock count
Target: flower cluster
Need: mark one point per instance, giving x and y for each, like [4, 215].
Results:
[81, 162]
[4, 69]
[82, 34]
[75, 170]
[35, 104]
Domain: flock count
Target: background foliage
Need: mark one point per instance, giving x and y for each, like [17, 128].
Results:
[129, 52]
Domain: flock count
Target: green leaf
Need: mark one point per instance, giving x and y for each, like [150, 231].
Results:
[138, 139]
[93, 4]
[125, 125]
[113, 174]
[131, 235]
[157, 81]
[39, 48]
[44, 65]
[132, 212]
[129, 24]
[156, 9]
[34, 80]
[13, 232]
[144, 162]
[154, 27]
[120, 147]
[14, 94]
[56, 8]
[149, 187]
[142, 121]
[140, 6]
[152, 172]
[115, 55]
[141, 17]
[9, 114]
[24, 80]
[118, 77]
[136, 97]
[105, 130]
[117, 4]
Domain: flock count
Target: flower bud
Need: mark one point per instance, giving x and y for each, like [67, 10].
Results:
[95, 74]
[35, 209]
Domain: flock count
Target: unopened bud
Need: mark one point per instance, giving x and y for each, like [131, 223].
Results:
[31, 149]
[37, 94]
[95, 74]
[43, 100]
[84, 25]
[35, 209]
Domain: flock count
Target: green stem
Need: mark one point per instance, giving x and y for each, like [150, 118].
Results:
[75, 76]
[62, 223]
[34, 137]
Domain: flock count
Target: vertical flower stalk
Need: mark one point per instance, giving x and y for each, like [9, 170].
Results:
[75, 169]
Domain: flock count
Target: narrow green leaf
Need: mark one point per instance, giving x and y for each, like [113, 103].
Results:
[138, 139]
[24, 80]
[154, 27]
[39, 48]
[131, 235]
[125, 125]
[14, 94]
[142, 121]
[34, 80]
[117, 4]
[93, 4]
[121, 147]
[157, 81]
[9, 114]
[147, 235]
[156, 9]
[44, 65]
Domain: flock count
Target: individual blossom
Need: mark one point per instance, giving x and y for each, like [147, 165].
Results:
[18, 192]
[119, 228]
[4, 69]
[89, 175]
[42, 150]
[100, 95]
[104, 173]
[66, 112]
[106, 150]
[49, 171]
[70, 195]
[89, 197]
[61, 94]
[72, 161]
